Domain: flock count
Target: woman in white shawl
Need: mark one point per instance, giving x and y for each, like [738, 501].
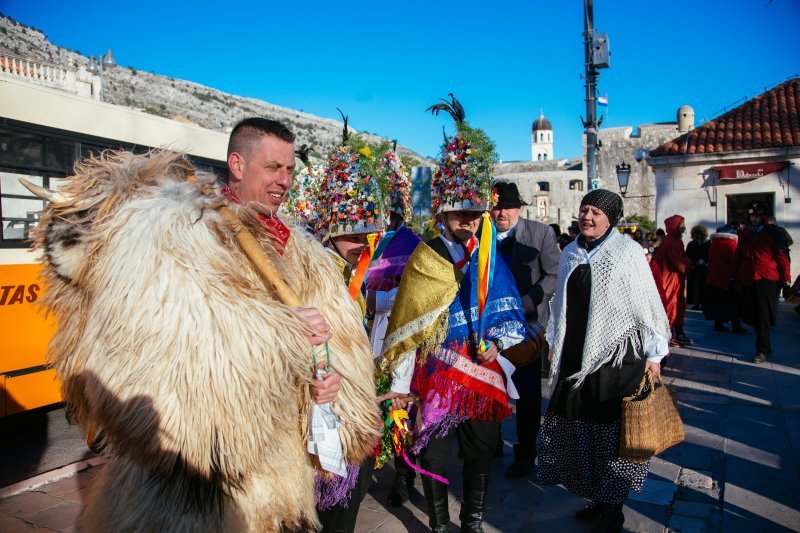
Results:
[607, 326]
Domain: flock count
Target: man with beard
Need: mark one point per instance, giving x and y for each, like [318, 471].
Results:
[532, 254]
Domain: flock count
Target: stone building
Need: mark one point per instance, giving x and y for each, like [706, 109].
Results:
[712, 174]
[630, 146]
[554, 187]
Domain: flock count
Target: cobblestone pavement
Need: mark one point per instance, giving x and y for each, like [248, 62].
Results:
[737, 471]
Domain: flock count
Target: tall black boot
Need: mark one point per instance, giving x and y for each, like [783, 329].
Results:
[474, 502]
[436, 504]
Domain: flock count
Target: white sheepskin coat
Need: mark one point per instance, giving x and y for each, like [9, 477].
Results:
[171, 348]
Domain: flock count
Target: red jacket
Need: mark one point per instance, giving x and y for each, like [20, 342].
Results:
[672, 260]
[656, 270]
[721, 260]
[671, 254]
[761, 255]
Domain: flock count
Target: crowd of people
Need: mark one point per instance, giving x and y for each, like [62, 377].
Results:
[444, 338]
[444, 350]
[463, 322]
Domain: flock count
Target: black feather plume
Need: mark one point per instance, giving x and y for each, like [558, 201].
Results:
[302, 154]
[345, 133]
[454, 108]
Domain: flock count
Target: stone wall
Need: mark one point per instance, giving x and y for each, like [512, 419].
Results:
[558, 205]
[620, 145]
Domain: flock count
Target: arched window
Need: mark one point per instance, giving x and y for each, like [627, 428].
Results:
[545, 157]
[541, 137]
[539, 157]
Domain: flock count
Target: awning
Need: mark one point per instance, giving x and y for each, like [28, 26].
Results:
[748, 172]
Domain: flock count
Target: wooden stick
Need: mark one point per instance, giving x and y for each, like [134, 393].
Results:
[253, 250]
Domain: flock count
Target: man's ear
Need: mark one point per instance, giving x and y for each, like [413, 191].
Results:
[235, 165]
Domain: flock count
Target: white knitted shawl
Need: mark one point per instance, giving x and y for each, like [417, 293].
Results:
[624, 305]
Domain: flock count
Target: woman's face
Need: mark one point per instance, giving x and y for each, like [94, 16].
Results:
[592, 222]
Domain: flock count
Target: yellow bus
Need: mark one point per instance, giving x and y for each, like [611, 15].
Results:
[43, 132]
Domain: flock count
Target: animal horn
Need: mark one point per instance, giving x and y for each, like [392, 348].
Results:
[41, 192]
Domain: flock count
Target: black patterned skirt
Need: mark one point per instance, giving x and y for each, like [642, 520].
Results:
[583, 456]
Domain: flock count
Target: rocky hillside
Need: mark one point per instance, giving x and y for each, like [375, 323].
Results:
[174, 98]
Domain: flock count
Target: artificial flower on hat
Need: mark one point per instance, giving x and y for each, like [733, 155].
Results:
[301, 199]
[354, 192]
[400, 180]
[463, 180]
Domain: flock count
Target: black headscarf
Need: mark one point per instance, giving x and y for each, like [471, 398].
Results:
[606, 201]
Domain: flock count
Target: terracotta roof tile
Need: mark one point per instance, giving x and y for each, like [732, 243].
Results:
[771, 120]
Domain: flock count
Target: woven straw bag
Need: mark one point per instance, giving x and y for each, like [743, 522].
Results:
[650, 422]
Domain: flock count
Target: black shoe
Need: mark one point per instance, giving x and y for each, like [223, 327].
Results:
[522, 465]
[611, 520]
[401, 488]
[683, 339]
[720, 327]
[520, 468]
[760, 358]
[591, 513]
[739, 330]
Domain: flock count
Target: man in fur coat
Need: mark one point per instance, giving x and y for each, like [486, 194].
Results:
[170, 345]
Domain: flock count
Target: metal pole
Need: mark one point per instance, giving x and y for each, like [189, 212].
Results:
[590, 125]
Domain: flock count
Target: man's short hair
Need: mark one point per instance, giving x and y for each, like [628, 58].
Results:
[248, 131]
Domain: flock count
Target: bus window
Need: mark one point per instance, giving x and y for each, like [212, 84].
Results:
[20, 209]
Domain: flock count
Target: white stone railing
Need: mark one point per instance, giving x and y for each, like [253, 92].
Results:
[76, 81]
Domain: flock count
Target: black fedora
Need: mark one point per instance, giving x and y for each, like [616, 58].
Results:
[507, 194]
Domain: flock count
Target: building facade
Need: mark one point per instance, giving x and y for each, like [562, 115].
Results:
[713, 173]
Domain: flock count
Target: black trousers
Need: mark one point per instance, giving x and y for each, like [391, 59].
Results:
[342, 518]
[760, 309]
[476, 440]
[402, 468]
[528, 380]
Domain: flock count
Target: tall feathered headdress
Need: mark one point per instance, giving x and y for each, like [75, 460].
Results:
[400, 181]
[464, 178]
[301, 199]
[354, 193]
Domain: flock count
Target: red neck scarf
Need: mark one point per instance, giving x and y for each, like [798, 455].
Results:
[468, 249]
[277, 229]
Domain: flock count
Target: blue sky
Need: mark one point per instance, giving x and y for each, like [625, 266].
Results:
[384, 63]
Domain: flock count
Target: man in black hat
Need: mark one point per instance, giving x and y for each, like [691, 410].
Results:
[531, 251]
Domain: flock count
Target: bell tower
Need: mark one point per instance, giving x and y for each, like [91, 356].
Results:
[541, 139]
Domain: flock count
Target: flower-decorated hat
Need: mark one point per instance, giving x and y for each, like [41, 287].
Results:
[301, 199]
[354, 189]
[400, 181]
[463, 181]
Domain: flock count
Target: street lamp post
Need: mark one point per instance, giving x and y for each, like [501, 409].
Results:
[98, 65]
[623, 174]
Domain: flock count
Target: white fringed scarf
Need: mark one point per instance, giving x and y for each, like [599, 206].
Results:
[624, 305]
